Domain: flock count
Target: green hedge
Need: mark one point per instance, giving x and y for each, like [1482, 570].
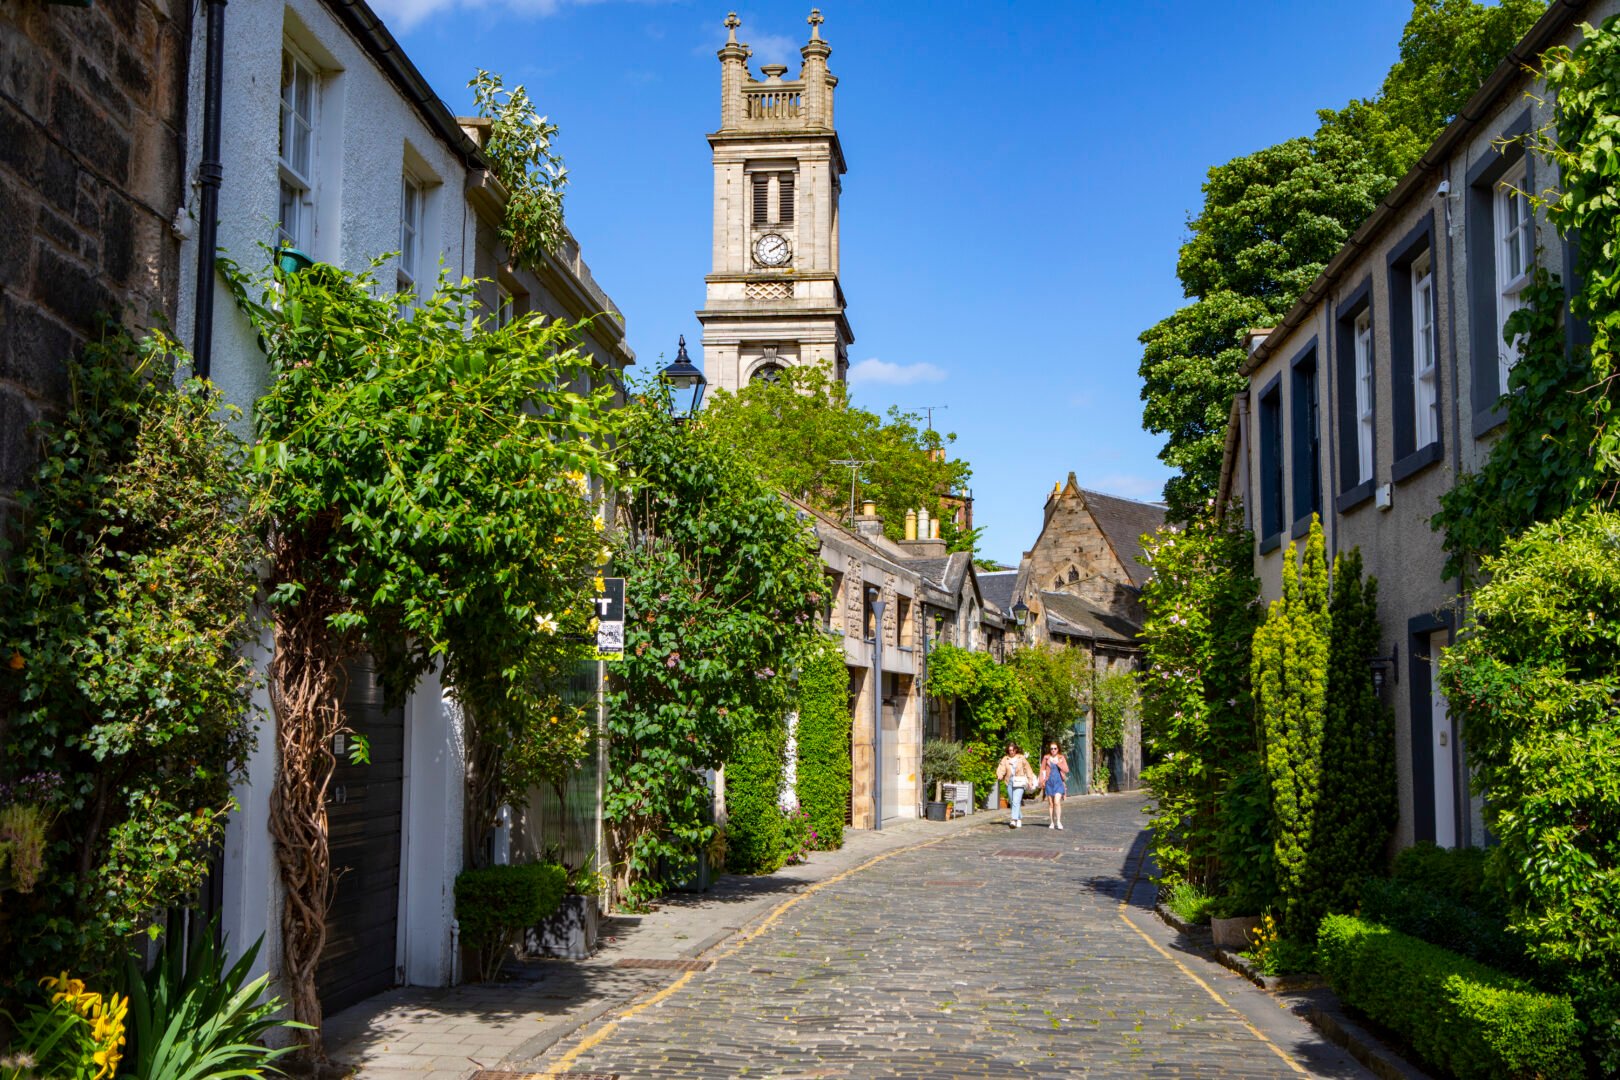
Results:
[496, 904]
[822, 736]
[1441, 919]
[755, 841]
[1458, 1015]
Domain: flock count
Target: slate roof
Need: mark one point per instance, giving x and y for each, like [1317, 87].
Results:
[1123, 521]
[1088, 620]
[996, 586]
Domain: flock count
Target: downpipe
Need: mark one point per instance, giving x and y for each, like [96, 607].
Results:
[210, 175]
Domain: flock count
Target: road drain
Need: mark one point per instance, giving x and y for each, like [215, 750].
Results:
[960, 883]
[1022, 853]
[496, 1074]
[666, 965]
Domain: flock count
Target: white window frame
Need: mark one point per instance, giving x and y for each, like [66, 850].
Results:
[503, 307]
[1425, 358]
[412, 220]
[1364, 397]
[298, 113]
[1515, 258]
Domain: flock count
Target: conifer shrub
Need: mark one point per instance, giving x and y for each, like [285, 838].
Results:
[1290, 665]
[822, 737]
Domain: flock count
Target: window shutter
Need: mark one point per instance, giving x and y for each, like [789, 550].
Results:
[762, 199]
[785, 196]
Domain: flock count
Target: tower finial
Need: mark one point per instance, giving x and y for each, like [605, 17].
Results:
[815, 20]
[732, 22]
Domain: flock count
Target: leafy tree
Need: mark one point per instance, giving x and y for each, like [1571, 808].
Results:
[1534, 682]
[123, 611]
[722, 590]
[791, 431]
[991, 693]
[1272, 219]
[1056, 682]
[1211, 823]
[425, 497]
[1290, 674]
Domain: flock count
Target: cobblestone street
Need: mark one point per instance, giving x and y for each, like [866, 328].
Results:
[991, 952]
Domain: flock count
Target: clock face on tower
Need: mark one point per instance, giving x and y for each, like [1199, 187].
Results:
[772, 249]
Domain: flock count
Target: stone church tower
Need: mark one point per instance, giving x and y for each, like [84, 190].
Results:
[773, 297]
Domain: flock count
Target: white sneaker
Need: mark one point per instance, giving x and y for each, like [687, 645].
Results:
[1060, 824]
[1049, 825]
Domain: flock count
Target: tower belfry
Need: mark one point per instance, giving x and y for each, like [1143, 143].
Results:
[773, 299]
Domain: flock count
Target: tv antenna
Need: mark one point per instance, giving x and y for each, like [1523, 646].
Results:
[854, 465]
[929, 409]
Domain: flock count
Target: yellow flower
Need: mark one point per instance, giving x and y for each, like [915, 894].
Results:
[597, 523]
[599, 583]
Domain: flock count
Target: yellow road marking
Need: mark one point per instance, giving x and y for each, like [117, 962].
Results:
[1124, 905]
[595, 1038]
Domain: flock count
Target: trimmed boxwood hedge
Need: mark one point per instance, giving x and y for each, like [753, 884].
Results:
[1441, 920]
[822, 737]
[1460, 1016]
[495, 904]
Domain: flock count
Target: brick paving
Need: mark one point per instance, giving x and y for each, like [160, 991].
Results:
[989, 953]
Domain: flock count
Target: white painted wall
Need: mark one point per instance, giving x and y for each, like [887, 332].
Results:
[364, 133]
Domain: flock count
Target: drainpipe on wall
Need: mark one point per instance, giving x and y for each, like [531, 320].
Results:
[877, 715]
[210, 172]
[1461, 784]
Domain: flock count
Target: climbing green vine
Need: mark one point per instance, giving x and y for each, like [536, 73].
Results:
[124, 610]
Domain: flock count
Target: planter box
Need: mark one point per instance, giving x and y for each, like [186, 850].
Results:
[934, 811]
[569, 933]
[1233, 933]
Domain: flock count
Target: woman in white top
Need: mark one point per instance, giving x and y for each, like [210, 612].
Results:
[1014, 771]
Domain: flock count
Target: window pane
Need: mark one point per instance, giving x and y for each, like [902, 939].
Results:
[290, 214]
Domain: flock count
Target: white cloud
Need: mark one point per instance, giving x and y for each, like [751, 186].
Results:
[403, 15]
[1127, 485]
[772, 49]
[881, 371]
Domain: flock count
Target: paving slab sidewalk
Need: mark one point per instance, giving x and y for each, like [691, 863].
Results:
[450, 1033]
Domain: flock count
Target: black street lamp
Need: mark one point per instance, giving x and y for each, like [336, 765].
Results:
[686, 383]
[1021, 613]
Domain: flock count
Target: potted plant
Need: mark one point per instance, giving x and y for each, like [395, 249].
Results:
[569, 933]
[940, 761]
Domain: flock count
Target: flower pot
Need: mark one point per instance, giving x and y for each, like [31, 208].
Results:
[934, 811]
[569, 933]
[1233, 933]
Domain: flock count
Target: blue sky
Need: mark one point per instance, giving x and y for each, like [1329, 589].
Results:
[1019, 180]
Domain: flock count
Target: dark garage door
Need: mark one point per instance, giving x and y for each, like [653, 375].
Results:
[363, 810]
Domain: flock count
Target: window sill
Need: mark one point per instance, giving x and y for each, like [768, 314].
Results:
[1355, 497]
[1270, 543]
[1301, 527]
[1416, 462]
[1488, 420]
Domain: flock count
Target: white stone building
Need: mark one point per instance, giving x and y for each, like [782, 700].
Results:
[333, 142]
[773, 297]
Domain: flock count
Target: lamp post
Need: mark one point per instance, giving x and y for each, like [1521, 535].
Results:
[877, 715]
[686, 383]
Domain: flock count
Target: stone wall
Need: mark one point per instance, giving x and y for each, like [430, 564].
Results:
[1074, 556]
[92, 111]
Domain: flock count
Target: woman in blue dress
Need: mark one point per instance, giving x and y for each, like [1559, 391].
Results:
[1054, 773]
